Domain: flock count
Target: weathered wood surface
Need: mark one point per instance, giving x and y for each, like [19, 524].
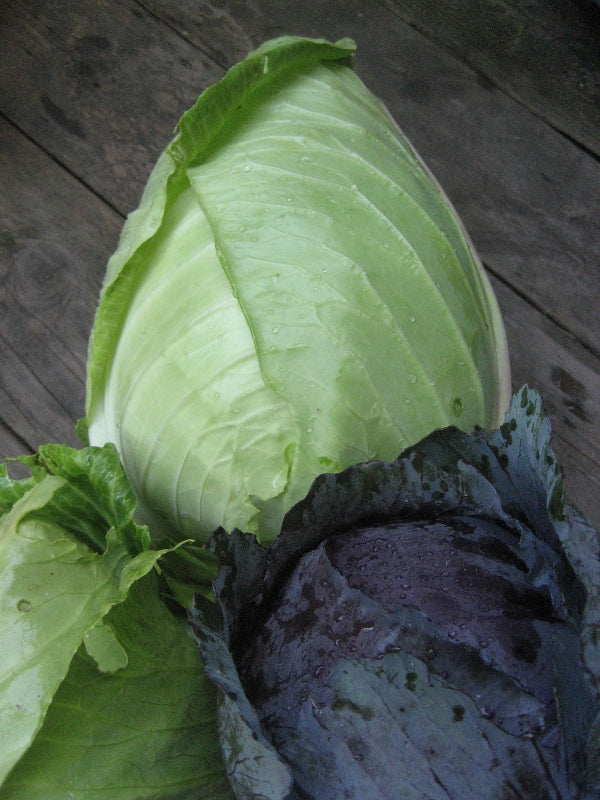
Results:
[544, 54]
[503, 104]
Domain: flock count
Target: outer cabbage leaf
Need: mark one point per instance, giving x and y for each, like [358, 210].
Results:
[295, 294]
[372, 737]
[146, 731]
[439, 715]
[69, 552]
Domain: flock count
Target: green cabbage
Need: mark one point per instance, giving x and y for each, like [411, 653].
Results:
[295, 294]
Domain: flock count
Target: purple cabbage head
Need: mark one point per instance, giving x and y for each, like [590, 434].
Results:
[421, 630]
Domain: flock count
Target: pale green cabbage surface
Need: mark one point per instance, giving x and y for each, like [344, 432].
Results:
[295, 294]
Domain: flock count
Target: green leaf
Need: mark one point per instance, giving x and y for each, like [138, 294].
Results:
[67, 556]
[104, 647]
[144, 732]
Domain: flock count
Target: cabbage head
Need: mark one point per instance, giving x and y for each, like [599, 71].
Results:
[425, 629]
[294, 294]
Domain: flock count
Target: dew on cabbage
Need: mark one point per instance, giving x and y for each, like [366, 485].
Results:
[417, 587]
[425, 628]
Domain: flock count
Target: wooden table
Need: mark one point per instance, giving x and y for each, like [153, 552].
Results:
[500, 97]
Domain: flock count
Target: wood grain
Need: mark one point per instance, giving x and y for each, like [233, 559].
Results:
[568, 377]
[100, 85]
[55, 239]
[544, 55]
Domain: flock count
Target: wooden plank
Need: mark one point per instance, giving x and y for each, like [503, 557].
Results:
[99, 84]
[31, 413]
[11, 447]
[568, 378]
[10, 444]
[545, 55]
[55, 238]
[529, 198]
